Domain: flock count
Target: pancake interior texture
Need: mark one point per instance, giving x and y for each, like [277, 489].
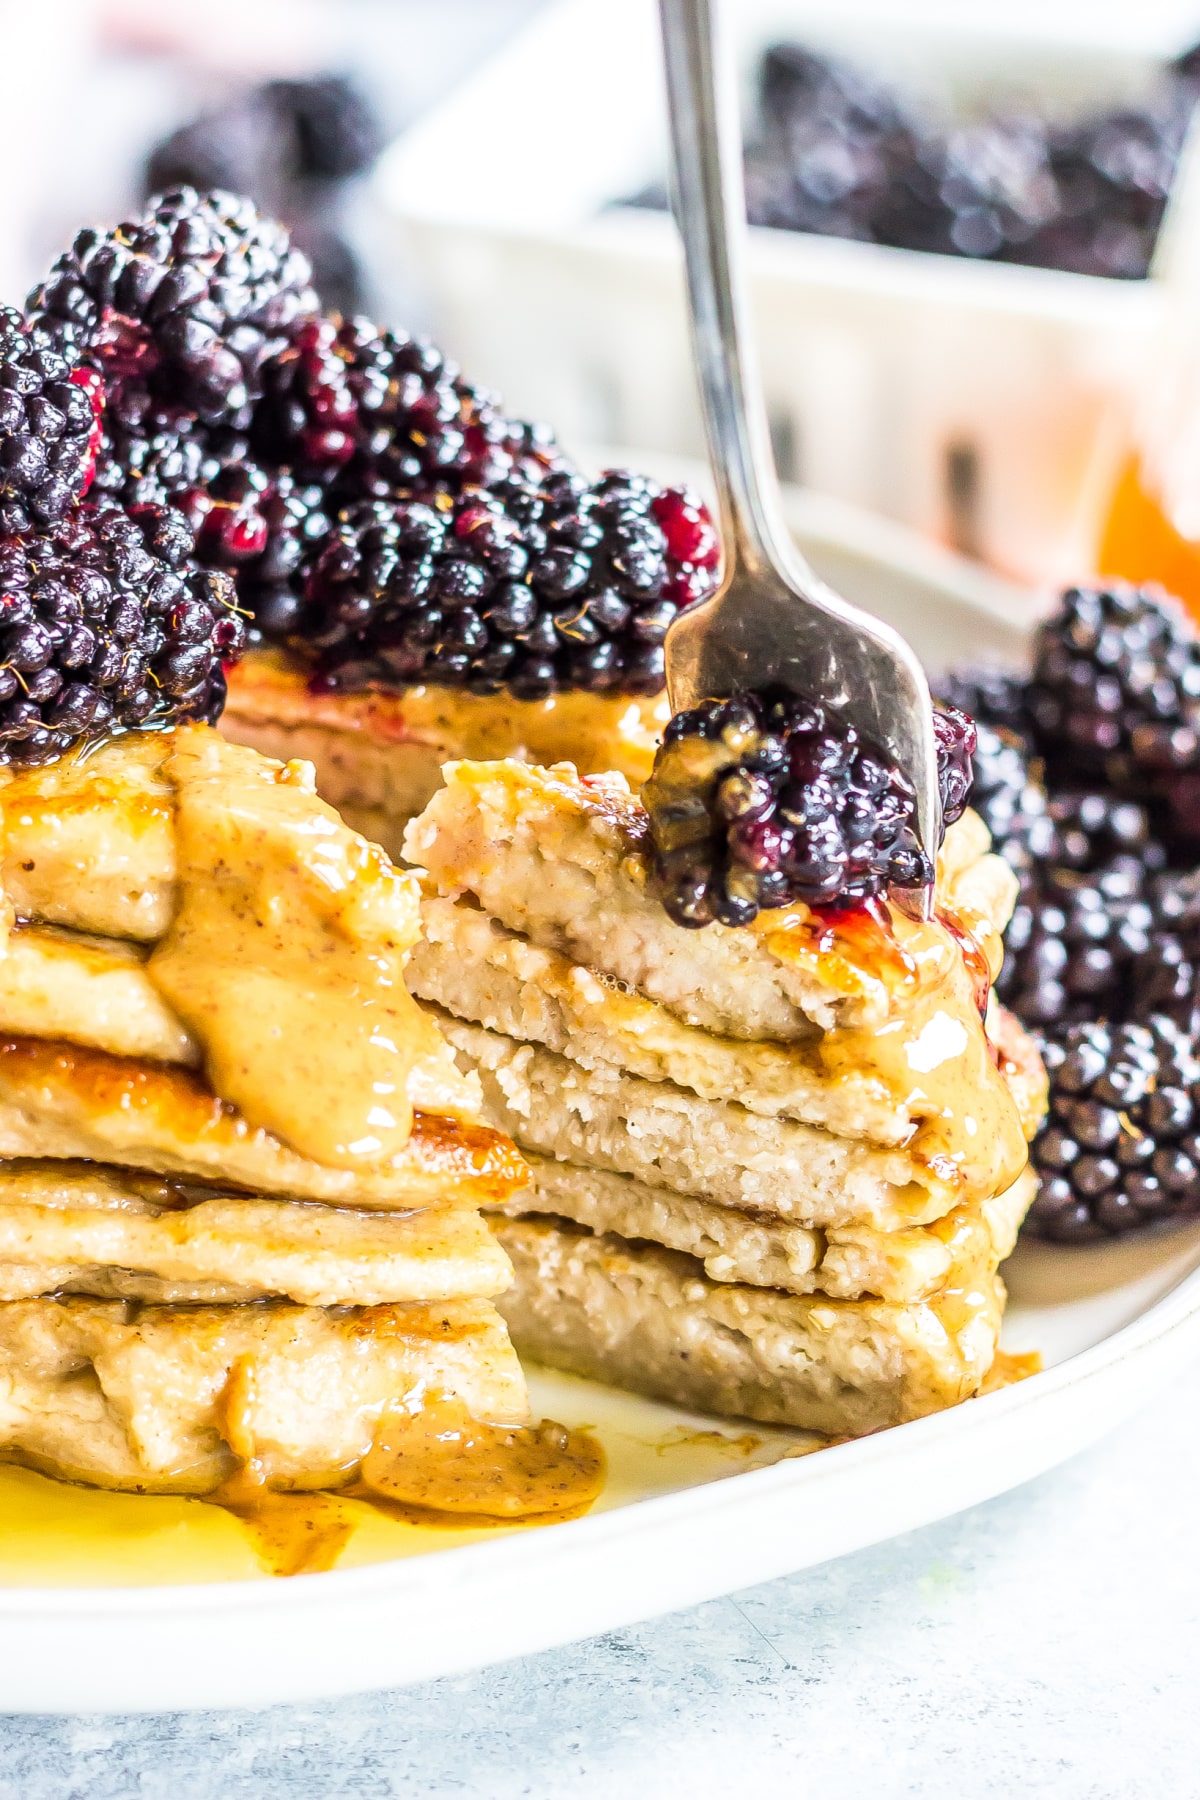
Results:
[242, 1171]
[773, 1170]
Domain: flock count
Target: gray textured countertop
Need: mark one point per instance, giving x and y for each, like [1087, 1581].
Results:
[1045, 1644]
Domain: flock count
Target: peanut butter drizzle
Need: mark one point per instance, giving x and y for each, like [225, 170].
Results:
[292, 1534]
[430, 1463]
[432, 1459]
[285, 956]
[931, 1053]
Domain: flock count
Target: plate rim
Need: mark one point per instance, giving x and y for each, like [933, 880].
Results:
[1171, 1312]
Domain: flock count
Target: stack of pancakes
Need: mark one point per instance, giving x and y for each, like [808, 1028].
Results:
[184, 1290]
[774, 1169]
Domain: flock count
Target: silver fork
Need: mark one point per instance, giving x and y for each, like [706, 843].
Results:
[772, 618]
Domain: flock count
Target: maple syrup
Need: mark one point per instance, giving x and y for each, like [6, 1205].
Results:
[1141, 544]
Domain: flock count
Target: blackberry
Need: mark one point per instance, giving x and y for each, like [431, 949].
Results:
[1102, 831]
[1120, 1148]
[1116, 694]
[268, 531]
[105, 623]
[191, 298]
[1164, 980]
[531, 589]
[990, 698]
[982, 190]
[309, 414]
[843, 154]
[49, 426]
[153, 455]
[336, 134]
[833, 140]
[1072, 946]
[764, 799]
[393, 414]
[1012, 803]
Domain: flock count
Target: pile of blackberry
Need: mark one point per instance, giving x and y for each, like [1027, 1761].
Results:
[1088, 776]
[529, 588]
[379, 513]
[765, 798]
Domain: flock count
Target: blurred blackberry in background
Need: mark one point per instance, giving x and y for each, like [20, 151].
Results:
[571, 584]
[833, 142]
[1072, 944]
[1121, 1146]
[763, 799]
[292, 146]
[981, 190]
[190, 300]
[842, 153]
[48, 427]
[336, 134]
[1011, 802]
[990, 698]
[106, 623]
[1093, 832]
[1164, 981]
[1116, 694]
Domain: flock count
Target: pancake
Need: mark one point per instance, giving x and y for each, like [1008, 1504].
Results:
[649, 1320]
[764, 1251]
[97, 1230]
[667, 1136]
[173, 1400]
[473, 968]
[59, 1100]
[88, 840]
[563, 861]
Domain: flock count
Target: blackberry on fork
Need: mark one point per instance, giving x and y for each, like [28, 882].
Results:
[766, 798]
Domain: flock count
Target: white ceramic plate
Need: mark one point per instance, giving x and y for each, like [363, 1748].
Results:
[112, 1602]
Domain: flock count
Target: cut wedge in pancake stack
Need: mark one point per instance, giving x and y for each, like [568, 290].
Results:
[239, 1202]
[379, 751]
[774, 1169]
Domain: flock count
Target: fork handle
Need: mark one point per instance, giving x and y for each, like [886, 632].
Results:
[710, 208]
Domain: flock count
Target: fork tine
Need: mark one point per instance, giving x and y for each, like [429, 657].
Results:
[772, 619]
